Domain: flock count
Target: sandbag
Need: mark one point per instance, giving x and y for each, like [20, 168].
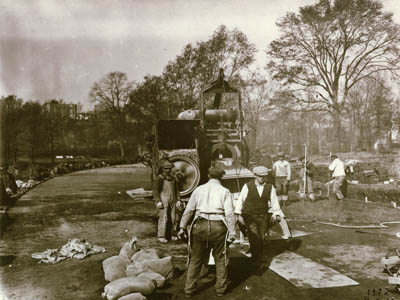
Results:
[129, 248]
[127, 285]
[144, 254]
[135, 269]
[114, 267]
[153, 276]
[163, 266]
[133, 296]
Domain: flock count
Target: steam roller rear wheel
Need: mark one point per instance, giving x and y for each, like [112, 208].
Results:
[188, 173]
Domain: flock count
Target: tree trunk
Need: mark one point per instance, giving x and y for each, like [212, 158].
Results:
[52, 148]
[122, 149]
[337, 124]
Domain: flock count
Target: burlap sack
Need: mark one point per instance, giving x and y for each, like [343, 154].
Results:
[144, 254]
[162, 266]
[133, 296]
[128, 285]
[153, 276]
[135, 269]
[114, 267]
[129, 248]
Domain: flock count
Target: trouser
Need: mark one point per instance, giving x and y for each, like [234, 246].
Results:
[282, 187]
[207, 235]
[256, 226]
[337, 187]
[284, 226]
[308, 188]
[168, 220]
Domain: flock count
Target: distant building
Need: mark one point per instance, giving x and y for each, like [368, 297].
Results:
[64, 109]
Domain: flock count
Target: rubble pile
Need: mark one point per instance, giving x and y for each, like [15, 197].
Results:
[135, 273]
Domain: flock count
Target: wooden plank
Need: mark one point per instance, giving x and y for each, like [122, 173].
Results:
[303, 272]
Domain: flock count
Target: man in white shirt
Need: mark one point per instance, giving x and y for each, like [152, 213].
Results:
[282, 172]
[339, 176]
[211, 215]
[257, 202]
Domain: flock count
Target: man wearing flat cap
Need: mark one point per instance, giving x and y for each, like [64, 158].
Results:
[211, 215]
[256, 204]
[168, 203]
[282, 172]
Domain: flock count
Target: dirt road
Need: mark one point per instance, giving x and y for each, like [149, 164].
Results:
[93, 205]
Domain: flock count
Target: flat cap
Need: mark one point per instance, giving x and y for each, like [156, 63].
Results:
[260, 171]
[216, 171]
[281, 154]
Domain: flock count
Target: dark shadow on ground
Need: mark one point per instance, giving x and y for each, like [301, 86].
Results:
[241, 267]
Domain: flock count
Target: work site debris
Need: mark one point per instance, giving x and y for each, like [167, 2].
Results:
[114, 267]
[135, 271]
[124, 286]
[139, 193]
[76, 248]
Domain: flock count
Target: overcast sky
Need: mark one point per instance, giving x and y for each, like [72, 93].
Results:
[58, 49]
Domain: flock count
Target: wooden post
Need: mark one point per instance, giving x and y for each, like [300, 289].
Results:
[305, 174]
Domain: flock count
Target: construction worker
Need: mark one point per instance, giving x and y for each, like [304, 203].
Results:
[258, 203]
[168, 202]
[282, 172]
[211, 215]
[339, 176]
[306, 189]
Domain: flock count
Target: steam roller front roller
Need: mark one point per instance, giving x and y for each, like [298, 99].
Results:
[187, 172]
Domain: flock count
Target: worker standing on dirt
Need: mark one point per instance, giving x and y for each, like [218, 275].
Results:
[339, 176]
[256, 205]
[282, 172]
[306, 189]
[168, 203]
[213, 227]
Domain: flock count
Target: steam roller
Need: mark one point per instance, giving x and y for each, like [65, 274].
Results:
[203, 137]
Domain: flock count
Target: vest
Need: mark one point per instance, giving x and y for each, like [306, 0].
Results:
[254, 204]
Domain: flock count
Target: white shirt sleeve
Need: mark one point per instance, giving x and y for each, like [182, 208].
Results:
[275, 208]
[289, 172]
[242, 197]
[332, 166]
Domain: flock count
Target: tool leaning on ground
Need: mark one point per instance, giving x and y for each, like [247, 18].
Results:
[392, 267]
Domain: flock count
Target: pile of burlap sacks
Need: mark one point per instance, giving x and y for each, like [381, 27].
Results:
[135, 273]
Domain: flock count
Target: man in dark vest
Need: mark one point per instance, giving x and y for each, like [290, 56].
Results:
[256, 204]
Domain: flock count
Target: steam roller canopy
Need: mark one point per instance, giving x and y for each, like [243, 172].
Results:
[188, 173]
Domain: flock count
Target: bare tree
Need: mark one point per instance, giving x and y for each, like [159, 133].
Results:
[112, 94]
[328, 48]
[257, 101]
[370, 111]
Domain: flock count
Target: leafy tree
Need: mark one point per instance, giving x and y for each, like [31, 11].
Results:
[13, 126]
[328, 48]
[148, 103]
[112, 93]
[198, 64]
[33, 133]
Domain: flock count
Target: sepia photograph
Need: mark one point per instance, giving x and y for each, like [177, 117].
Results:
[199, 149]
